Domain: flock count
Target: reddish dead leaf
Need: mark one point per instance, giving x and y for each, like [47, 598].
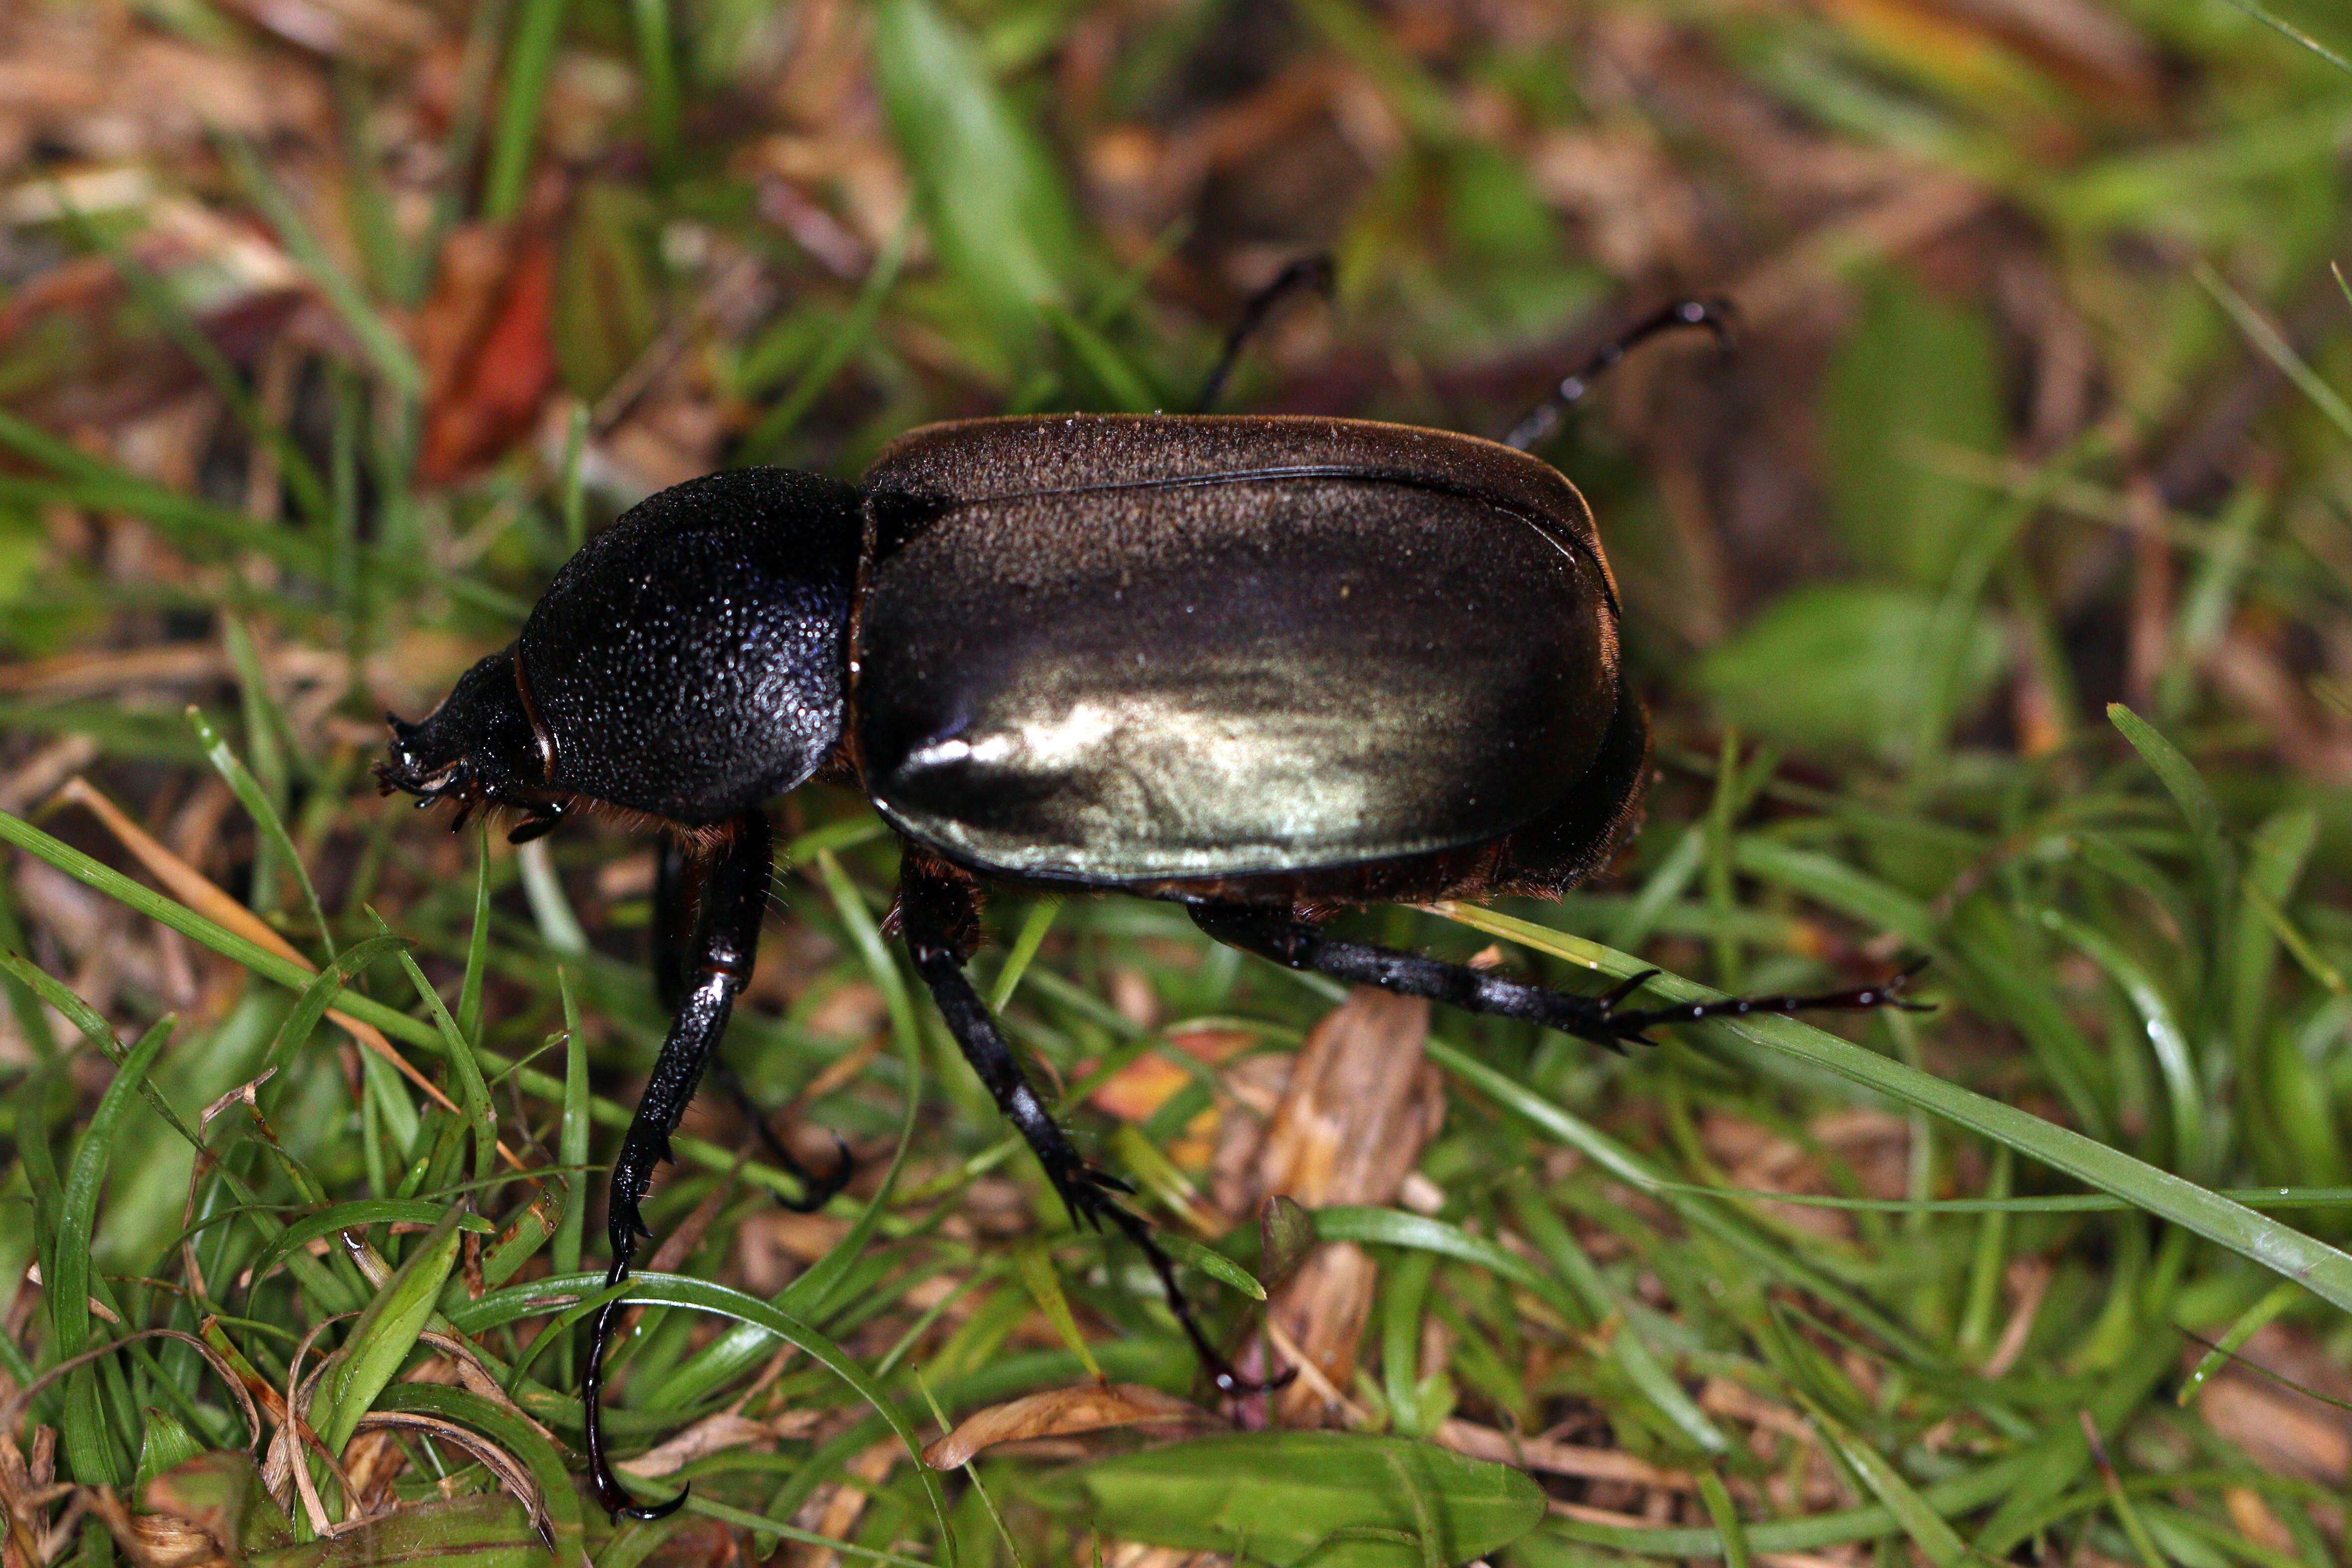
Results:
[490, 360]
[1058, 1413]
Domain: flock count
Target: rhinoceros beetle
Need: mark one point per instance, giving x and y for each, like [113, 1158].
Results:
[1266, 667]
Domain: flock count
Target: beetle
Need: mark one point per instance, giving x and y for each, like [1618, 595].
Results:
[1266, 667]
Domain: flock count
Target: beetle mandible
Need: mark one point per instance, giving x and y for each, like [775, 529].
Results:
[1262, 666]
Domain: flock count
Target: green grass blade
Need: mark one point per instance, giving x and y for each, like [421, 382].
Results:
[1032, 936]
[386, 1332]
[2274, 347]
[1212, 1263]
[88, 1444]
[473, 1092]
[2285, 28]
[776, 427]
[156, 298]
[1831, 881]
[657, 70]
[1659, 890]
[1036, 1267]
[82, 1017]
[2322, 1268]
[2189, 793]
[1394, 1227]
[1002, 224]
[2277, 1300]
[1126, 383]
[1937, 1540]
[1737, 1552]
[383, 346]
[557, 926]
[701, 1295]
[2176, 1059]
[294, 977]
[357, 1214]
[311, 1004]
[522, 88]
[572, 1139]
[473, 990]
[762, 1525]
[256, 801]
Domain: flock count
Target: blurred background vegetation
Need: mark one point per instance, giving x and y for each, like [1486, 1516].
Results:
[331, 327]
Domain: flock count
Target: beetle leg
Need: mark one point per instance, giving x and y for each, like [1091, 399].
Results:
[673, 931]
[1312, 271]
[734, 894]
[933, 910]
[815, 1191]
[1887, 993]
[1295, 944]
[1715, 315]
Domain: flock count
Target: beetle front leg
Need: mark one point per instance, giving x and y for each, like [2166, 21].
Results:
[940, 918]
[728, 893]
[1601, 1020]
[673, 937]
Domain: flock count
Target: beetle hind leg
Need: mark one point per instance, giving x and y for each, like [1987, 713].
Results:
[1602, 1020]
[940, 916]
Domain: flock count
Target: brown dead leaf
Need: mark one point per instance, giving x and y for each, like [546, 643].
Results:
[1055, 1413]
[2285, 1432]
[844, 1502]
[1760, 1160]
[715, 1434]
[773, 1245]
[489, 355]
[1361, 1105]
[2255, 1519]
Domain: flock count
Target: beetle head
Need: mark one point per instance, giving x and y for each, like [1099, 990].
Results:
[476, 749]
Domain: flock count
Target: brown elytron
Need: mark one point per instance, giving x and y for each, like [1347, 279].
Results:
[1243, 650]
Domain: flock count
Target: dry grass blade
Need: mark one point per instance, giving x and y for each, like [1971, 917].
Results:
[1562, 1458]
[716, 1435]
[195, 890]
[12, 1414]
[512, 1474]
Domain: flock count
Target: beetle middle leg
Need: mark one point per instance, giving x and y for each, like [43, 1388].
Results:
[940, 915]
[673, 938]
[1602, 1020]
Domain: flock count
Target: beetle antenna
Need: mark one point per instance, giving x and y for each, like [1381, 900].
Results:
[1310, 272]
[1716, 315]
